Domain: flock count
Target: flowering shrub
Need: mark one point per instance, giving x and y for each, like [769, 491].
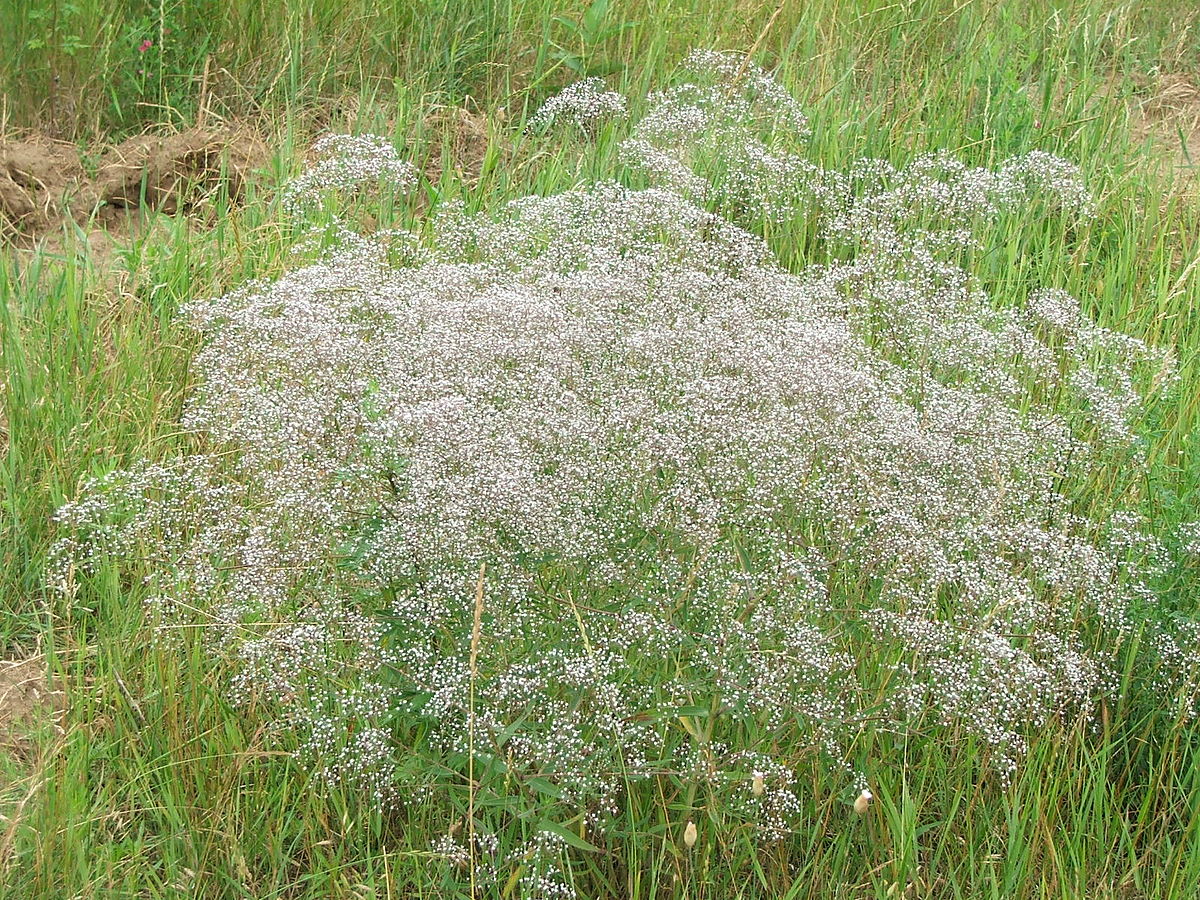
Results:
[344, 161]
[719, 133]
[583, 103]
[592, 491]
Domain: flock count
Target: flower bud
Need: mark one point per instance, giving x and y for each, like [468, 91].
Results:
[689, 835]
[863, 803]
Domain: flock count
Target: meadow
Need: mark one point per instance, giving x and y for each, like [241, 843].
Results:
[638, 495]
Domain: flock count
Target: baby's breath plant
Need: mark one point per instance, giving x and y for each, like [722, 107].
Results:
[345, 162]
[583, 104]
[591, 495]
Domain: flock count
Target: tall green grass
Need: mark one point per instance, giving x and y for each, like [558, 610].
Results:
[159, 789]
[76, 67]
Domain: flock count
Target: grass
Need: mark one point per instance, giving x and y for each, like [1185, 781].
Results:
[158, 788]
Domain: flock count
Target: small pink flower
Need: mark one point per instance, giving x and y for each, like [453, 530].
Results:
[146, 45]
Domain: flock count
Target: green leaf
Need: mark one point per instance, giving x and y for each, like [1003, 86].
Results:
[487, 800]
[511, 728]
[566, 23]
[542, 786]
[567, 835]
[594, 17]
[572, 61]
[604, 68]
[614, 30]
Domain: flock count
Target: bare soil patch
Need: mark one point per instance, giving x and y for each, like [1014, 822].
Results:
[463, 145]
[27, 695]
[44, 183]
[1169, 115]
[36, 175]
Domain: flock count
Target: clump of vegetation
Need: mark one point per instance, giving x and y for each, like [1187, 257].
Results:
[592, 498]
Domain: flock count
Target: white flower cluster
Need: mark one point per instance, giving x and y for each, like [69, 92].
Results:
[732, 135]
[1189, 536]
[342, 161]
[717, 135]
[594, 491]
[583, 103]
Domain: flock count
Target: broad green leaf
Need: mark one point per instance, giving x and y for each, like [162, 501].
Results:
[569, 836]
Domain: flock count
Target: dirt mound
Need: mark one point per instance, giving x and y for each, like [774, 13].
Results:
[1169, 114]
[166, 173]
[1174, 95]
[43, 183]
[26, 694]
[463, 143]
[35, 177]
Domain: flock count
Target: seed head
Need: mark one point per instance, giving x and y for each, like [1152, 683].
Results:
[863, 802]
[690, 835]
